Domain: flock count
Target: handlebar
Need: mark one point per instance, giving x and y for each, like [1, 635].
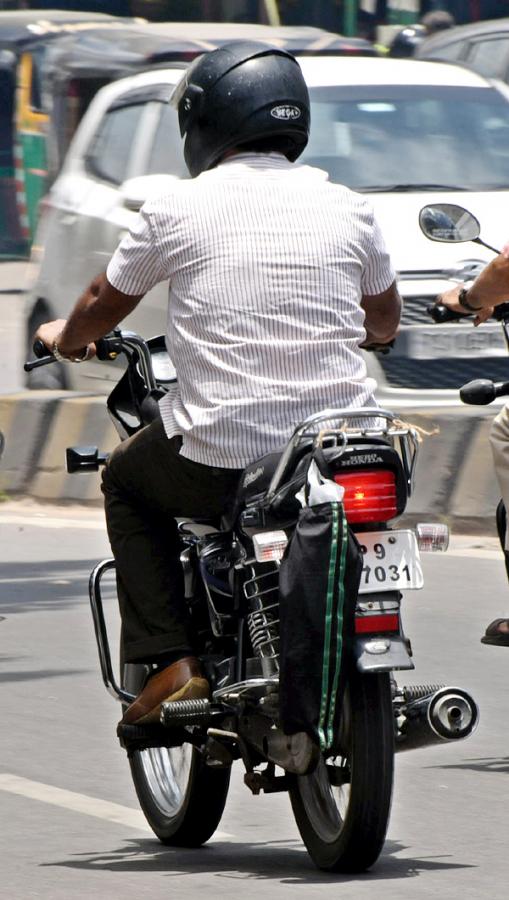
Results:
[442, 314]
[43, 358]
[378, 348]
[481, 392]
[107, 349]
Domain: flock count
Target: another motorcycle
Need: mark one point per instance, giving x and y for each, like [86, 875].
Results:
[448, 223]
[181, 767]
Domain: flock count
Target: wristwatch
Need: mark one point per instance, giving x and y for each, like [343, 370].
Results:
[462, 300]
[73, 359]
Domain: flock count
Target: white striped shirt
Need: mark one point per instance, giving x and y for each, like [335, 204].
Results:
[267, 262]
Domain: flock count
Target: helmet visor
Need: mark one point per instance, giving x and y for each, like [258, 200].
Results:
[179, 92]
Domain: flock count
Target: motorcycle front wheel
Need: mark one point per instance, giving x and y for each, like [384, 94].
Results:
[182, 798]
[342, 808]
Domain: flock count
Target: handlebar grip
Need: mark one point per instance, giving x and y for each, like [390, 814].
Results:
[40, 349]
[481, 392]
[379, 348]
[501, 312]
[43, 358]
[442, 314]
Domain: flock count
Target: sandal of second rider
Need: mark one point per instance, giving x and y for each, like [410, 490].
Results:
[497, 633]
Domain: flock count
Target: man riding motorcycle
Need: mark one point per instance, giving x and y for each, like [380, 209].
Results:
[276, 276]
[490, 288]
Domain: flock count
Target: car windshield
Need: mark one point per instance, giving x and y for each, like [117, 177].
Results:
[411, 138]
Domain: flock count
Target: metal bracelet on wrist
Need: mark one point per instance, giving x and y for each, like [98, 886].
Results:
[462, 300]
[72, 359]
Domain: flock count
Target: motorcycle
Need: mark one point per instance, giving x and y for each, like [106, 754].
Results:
[449, 223]
[181, 767]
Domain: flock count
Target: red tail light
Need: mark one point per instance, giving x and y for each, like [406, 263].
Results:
[376, 624]
[370, 496]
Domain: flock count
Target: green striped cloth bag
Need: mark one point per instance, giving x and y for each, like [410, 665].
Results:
[318, 584]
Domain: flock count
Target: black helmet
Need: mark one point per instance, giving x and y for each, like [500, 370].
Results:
[407, 40]
[242, 93]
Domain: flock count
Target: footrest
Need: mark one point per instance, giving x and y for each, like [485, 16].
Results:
[142, 737]
[186, 712]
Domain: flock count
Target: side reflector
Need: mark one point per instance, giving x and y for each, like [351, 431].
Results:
[269, 545]
[376, 624]
[370, 495]
[432, 537]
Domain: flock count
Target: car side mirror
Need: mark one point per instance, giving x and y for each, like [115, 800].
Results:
[448, 223]
[135, 191]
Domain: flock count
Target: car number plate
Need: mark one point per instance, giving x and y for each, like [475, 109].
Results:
[454, 341]
[391, 561]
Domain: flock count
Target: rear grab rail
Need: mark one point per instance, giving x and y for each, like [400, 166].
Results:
[408, 439]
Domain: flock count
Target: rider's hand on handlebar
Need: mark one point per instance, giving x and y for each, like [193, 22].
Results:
[450, 300]
[50, 332]
[377, 346]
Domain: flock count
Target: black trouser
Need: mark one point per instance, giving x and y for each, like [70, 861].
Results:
[146, 485]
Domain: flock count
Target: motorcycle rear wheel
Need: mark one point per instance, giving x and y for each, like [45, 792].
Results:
[342, 811]
[182, 798]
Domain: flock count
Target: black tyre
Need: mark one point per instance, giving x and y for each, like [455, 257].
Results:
[342, 809]
[182, 798]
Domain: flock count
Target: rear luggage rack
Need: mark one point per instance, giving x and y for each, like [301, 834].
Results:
[403, 438]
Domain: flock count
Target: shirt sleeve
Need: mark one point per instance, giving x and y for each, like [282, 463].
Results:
[378, 274]
[137, 264]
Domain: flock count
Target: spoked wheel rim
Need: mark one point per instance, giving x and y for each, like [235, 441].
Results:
[326, 795]
[167, 774]
[326, 803]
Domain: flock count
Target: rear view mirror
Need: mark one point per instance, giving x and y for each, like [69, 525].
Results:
[448, 223]
[135, 191]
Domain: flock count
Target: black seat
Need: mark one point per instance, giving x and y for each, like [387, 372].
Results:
[256, 477]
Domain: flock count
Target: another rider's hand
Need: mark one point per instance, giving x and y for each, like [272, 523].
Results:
[50, 332]
[450, 300]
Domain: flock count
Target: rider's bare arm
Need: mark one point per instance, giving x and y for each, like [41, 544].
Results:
[99, 309]
[383, 312]
[489, 289]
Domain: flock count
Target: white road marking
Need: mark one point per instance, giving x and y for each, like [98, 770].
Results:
[43, 521]
[25, 579]
[80, 803]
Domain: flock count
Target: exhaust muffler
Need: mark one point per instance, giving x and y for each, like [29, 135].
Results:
[439, 715]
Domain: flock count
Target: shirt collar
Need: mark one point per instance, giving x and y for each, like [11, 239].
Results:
[266, 160]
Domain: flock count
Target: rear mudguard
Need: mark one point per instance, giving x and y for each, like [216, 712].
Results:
[381, 653]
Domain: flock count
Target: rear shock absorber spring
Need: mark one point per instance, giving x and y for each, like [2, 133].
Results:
[262, 591]
[418, 691]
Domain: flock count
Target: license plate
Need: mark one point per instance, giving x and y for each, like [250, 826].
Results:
[391, 562]
[454, 341]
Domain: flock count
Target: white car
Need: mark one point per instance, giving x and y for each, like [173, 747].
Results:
[404, 132]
